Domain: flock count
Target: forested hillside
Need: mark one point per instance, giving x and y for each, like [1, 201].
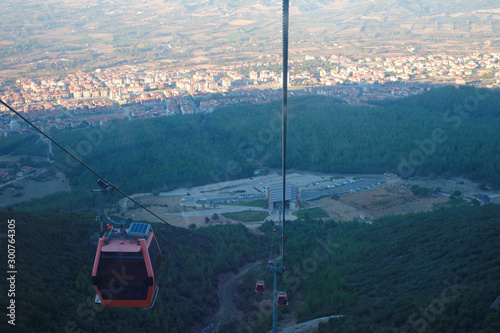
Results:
[432, 272]
[436, 270]
[54, 292]
[444, 132]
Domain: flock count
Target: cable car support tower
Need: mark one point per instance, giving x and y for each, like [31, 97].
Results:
[278, 266]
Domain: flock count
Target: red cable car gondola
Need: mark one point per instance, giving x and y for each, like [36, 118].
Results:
[260, 287]
[282, 298]
[127, 267]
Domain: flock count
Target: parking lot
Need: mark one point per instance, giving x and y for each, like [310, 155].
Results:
[311, 186]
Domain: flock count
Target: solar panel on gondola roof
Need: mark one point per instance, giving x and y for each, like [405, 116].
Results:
[139, 229]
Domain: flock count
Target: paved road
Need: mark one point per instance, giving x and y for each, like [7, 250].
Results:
[218, 210]
[15, 180]
[340, 187]
[308, 326]
[227, 288]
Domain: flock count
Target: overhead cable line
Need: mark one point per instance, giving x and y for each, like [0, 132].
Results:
[114, 187]
[284, 118]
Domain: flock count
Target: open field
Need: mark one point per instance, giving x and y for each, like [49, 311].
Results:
[26, 189]
[338, 210]
[241, 22]
[314, 213]
[391, 200]
[247, 216]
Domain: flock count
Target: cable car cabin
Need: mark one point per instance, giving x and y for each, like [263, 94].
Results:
[282, 298]
[127, 267]
[260, 287]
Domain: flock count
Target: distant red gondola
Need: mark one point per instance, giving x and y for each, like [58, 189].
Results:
[282, 298]
[127, 267]
[260, 287]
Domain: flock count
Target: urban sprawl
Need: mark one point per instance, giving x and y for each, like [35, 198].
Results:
[132, 92]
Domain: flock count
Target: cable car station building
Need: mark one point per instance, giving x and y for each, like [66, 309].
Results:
[275, 196]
